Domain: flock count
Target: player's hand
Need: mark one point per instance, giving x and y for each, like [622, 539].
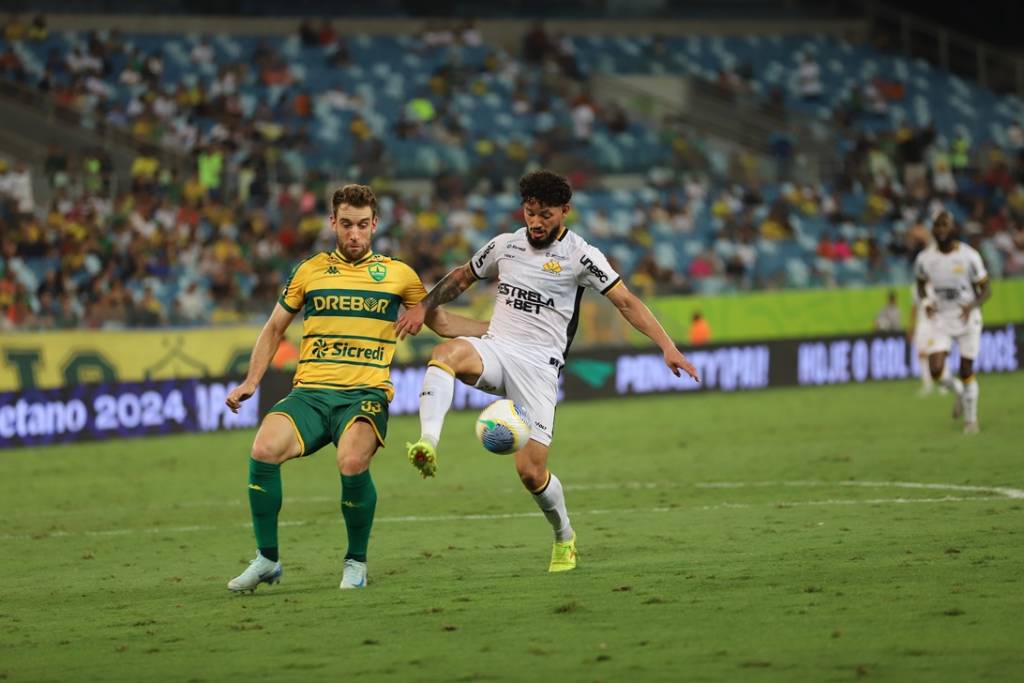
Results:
[410, 321]
[965, 312]
[240, 393]
[676, 361]
[929, 310]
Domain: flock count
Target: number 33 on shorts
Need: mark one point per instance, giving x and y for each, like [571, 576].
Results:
[370, 407]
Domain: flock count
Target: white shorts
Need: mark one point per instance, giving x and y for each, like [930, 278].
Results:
[922, 333]
[522, 377]
[944, 329]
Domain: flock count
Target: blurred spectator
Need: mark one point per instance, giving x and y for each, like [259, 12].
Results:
[202, 52]
[14, 30]
[307, 34]
[808, 78]
[583, 117]
[889, 319]
[700, 330]
[704, 265]
[536, 44]
[38, 31]
[16, 183]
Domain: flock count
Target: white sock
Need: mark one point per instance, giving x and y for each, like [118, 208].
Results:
[971, 391]
[551, 501]
[435, 400]
[926, 374]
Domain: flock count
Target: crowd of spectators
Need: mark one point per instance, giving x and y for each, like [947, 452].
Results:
[211, 236]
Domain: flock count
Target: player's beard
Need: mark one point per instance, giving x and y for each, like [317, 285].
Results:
[945, 245]
[344, 249]
[542, 243]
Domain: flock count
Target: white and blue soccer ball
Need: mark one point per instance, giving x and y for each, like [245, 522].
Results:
[503, 427]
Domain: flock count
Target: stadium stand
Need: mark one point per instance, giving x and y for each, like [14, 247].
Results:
[260, 126]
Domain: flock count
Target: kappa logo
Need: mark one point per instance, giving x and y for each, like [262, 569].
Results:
[553, 267]
[332, 270]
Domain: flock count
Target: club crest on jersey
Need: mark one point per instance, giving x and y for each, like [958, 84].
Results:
[378, 271]
[552, 266]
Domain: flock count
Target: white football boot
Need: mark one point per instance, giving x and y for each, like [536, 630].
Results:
[260, 570]
[354, 575]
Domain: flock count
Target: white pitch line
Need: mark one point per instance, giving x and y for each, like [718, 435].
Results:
[1004, 491]
[514, 515]
[650, 485]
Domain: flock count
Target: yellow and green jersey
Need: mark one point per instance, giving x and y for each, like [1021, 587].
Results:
[349, 311]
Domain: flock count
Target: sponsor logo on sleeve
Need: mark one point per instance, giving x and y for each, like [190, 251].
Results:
[594, 270]
[483, 256]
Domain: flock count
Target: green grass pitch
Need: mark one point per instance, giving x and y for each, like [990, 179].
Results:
[830, 534]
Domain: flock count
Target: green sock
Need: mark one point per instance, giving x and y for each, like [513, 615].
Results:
[358, 502]
[264, 503]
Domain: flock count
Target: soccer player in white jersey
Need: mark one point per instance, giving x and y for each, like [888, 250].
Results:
[959, 285]
[542, 270]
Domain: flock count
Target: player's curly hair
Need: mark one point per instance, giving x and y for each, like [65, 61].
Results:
[354, 195]
[546, 187]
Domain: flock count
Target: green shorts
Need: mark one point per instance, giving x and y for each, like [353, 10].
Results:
[321, 416]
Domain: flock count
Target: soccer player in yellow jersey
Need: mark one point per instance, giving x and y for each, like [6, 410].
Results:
[350, 299]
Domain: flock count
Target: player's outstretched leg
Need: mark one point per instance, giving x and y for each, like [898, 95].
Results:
[955, 385]
[971, 392]
[358, 503]
[531, 465]
[265, 496]
[435, 400]
[927, 383]
[937, 365]
[551, 500]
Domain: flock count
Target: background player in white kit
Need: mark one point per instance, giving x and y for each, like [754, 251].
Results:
[959, 286]
[541, 270]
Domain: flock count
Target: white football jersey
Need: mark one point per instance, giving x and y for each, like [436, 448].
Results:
[539, 290]
[952, 276]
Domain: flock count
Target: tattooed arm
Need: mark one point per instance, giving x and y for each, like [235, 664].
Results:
[448, 289]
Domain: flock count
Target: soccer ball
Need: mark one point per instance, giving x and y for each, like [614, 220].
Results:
[503, 427]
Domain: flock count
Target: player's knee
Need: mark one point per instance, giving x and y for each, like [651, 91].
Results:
[446, 352]
[351, 464]
[263, 451]
[533, 477]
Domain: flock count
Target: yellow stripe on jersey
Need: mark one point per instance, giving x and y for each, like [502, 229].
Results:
[349, 312]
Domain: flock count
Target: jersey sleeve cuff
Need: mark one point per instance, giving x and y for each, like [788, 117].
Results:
[615, 283]
[286, 307]
[472, 269]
